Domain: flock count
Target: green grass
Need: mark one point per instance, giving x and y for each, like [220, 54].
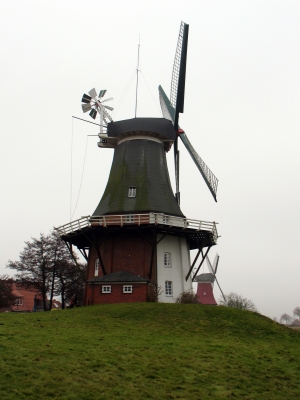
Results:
[147, 351]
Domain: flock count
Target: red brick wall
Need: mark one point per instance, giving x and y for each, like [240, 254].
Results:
[94, 294]
[125, 250]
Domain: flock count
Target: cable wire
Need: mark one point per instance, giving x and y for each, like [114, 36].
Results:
[81, 177]
[151, 93]
[123, 95]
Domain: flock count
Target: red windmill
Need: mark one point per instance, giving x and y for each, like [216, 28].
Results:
[205, 283]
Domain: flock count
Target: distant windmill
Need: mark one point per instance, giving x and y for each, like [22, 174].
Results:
[94, 104]
[206, 283]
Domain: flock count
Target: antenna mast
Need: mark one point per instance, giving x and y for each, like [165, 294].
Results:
[137, 77]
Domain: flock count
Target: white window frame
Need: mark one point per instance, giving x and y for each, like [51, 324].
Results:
[96, 270]
[129, 218]
[127, 288]
[19, 302]
[132, 191]
[167, 260]
[169, 288]
[106, 289]
[166, 219]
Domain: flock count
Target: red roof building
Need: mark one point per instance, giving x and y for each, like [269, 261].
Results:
[24, 299]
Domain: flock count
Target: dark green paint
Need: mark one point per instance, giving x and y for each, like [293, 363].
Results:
[139, 163]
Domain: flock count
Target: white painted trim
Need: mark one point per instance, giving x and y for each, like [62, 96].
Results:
[96, 267]
[139, 137]
[140, 219]
[108, 287]
[129, 287]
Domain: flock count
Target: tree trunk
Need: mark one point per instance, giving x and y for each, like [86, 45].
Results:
[44, 286]
[52, 285]
[63, 296]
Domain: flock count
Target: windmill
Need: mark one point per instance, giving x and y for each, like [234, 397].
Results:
[137, 242]
[206, 283]
[94, 104]
[171, 109]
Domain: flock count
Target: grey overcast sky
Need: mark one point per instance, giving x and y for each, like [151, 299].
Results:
[241, 114]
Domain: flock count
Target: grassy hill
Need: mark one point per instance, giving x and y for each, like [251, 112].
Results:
[147, 351]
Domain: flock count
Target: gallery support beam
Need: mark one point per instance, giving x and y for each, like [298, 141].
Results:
[94, 243]
[203, 258]
[195, 260]
[70, 248]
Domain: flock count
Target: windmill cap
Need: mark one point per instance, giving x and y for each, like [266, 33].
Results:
[208, 277]
[161, 128]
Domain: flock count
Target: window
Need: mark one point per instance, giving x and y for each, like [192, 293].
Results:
[106, 289]
[166, 219]
[168, 288]
[96, 272]
[167, 260]
[127, 288]
[132, 192]
[19, 302]
[129, 218]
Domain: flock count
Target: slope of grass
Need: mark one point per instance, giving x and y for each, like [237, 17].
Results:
[147, 351]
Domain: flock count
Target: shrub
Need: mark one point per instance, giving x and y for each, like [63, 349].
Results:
[153, 293]
[286, 318]
[187, 297]
[235, 300]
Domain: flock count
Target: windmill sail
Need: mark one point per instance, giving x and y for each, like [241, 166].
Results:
[213, 270]
[169, 113]
[167, 109]
[178, 73]
[216, 263]
[208, 176]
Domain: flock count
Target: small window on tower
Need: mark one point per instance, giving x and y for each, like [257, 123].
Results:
[129, 218]
[96, 272]
[166, 219]
[167, 260]
[168, 288]
[127, 288]
[132, 192]
[106, 289]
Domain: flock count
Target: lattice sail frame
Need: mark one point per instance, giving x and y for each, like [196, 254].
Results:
[168, 112]
[176, 67]
[208, 176]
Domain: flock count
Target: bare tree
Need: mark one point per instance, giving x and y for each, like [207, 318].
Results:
[286, 318]
[46, 264]
[6, 295]
[70, 281]
[153, 293]
[69, 277]
[234, 300]
[34, 267]
[296, 312]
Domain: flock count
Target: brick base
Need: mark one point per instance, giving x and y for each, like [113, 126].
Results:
[94, 294]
